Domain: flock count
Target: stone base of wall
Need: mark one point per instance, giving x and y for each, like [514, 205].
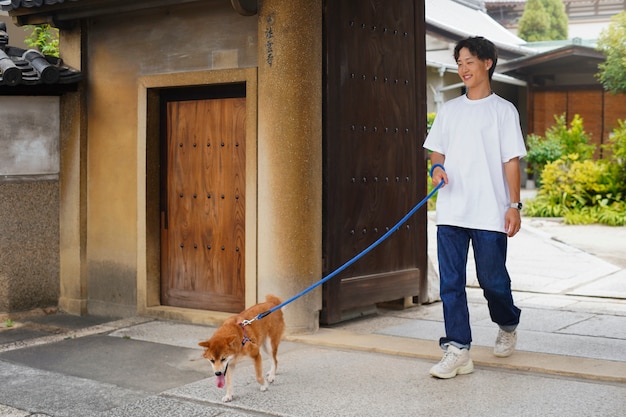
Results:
[29, 245]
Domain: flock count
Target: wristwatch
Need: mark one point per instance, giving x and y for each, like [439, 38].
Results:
[516, 205]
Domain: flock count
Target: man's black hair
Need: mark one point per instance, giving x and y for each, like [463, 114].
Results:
[481, 48]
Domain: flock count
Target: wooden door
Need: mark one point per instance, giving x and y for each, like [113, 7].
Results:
[374, 166]
[203, 204]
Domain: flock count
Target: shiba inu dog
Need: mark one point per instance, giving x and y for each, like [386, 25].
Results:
[233, 341]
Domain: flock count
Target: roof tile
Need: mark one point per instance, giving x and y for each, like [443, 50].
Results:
[30, 67]
[8, 5]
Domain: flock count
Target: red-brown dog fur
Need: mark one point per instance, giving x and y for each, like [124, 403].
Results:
[226, 347]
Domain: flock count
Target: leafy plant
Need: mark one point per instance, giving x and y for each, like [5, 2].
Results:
[616, 148]
[432, 202]
[44, 38]
[582, 192]
[8, 323]
[575, 139]
[430, 118]
[541, 151]
[559, 140]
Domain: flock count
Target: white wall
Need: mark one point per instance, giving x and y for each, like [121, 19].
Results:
[29, 136]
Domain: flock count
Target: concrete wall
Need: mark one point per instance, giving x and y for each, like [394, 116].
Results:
[29, 136]
[29, 203]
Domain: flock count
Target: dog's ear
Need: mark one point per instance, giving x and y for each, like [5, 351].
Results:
[204, 344]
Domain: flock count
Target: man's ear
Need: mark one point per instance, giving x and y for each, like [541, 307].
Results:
[488, 63]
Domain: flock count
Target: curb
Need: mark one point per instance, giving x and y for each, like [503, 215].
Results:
[543, 363]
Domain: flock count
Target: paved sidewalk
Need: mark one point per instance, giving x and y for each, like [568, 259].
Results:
[571, 357]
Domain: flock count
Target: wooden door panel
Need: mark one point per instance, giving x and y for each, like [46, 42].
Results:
[204, 221]
[373, 152]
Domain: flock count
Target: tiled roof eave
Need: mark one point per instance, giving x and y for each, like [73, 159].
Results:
[21, 67]
[8, 5]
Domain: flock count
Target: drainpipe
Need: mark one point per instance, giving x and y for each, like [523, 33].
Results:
[438, 92]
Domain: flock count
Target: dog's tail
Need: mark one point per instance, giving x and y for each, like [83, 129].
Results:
[272, 299]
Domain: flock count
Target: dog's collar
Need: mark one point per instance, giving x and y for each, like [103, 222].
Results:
[245, 337]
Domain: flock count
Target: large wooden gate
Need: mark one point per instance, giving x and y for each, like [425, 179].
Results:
[203, 204]
[374, 170]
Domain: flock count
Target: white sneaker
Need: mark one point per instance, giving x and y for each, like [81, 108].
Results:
[455, 361]
[505, 343]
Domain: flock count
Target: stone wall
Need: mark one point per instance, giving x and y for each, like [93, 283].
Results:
[29, 245]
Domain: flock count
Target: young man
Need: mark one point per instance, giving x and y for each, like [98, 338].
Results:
[476, 144]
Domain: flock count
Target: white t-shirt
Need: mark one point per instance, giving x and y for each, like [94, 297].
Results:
[476, 137]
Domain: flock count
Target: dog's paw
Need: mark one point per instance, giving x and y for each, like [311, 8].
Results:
[227, 398]
[264, 387]
[271, 377]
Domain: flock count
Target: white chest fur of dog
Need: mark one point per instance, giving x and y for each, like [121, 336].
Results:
[231, 342]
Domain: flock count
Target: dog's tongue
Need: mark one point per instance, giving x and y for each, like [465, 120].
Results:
[220, 381]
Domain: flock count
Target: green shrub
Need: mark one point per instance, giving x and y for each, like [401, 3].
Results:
[582, 192]
[559, 140]
[432, 202]
[616, 148]
[541, 151]
[430, 118]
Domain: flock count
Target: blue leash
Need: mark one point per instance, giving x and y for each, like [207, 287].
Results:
[350, 262]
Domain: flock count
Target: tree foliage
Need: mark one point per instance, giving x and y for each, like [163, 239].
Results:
[612, 72]
[44, 38]
[543, 20]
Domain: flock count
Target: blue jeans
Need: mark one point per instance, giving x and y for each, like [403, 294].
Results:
[490, 257]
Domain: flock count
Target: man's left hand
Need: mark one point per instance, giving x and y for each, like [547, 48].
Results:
[512, 221]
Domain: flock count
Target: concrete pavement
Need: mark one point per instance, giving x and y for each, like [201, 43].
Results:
[571, 360]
